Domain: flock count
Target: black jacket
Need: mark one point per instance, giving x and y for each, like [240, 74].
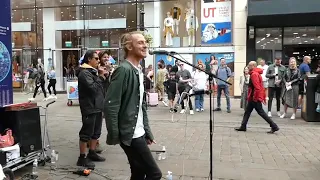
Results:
[91, 91]
[318, 83]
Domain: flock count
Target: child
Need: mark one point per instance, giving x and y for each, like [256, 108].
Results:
[172, 88]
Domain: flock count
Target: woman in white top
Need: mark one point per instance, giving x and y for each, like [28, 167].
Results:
[199, 83]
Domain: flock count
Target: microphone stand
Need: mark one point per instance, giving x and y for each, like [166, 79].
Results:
[211, 116]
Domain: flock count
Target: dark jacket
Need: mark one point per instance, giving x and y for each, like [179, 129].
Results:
[40, 77]
[122, 105]
[292, 76]
[271, 76]
[256, 91]
[91, 91]
[318, 83]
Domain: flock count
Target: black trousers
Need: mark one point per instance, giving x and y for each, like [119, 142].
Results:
[91, 127]
[52, 83]
[271, 92]
[142, 164]
[181, 90]
[42, 88]
[258, 107]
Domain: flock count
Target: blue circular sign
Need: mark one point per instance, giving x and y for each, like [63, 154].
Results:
[5, 62]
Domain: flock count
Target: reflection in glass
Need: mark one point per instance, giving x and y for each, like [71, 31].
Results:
[268, 43]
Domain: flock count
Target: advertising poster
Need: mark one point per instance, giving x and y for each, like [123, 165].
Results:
[229, 57]
[72, 92]
[168, 60]
[6, 94]
[216, 22]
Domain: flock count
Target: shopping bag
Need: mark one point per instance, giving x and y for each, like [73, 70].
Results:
[7, 139]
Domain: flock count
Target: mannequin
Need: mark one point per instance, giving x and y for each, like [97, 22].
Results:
[168, 29]
[176, 14]
[188, 10]
[192, 25]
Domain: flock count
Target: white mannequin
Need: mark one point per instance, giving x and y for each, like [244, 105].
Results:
[176, 13]
[192, 26]
[168, 29]
[188, 10]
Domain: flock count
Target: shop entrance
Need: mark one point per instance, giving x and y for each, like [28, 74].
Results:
[64, 60]
[299, 51]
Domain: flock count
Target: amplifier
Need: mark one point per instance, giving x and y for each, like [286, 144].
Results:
[26, 128]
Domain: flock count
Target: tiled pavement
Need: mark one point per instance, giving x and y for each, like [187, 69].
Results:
[291, 154]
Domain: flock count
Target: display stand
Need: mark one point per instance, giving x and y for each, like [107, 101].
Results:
[211, 116]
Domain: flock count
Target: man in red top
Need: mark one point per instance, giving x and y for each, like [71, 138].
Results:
[256, 96]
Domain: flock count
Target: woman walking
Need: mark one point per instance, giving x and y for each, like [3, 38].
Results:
[291, 90]
[52, 83]
[244, 85]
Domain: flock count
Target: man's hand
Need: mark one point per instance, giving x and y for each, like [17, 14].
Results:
[264, 102]
[149, 142]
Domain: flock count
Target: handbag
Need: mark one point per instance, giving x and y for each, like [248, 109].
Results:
[7, 139]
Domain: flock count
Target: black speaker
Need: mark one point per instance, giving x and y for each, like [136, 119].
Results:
[26, 128]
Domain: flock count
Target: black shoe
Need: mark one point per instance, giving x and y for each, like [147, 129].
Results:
[93, 156]
[273, 130]
[228, 111]
[217, 109]
[240, 129]
[85, 162]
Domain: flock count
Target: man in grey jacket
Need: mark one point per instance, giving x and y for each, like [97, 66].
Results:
[275, 73]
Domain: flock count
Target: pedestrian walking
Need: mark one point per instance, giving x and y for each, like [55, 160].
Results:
[40, 82]
[52, 83]
[256, 96]
[125, 110]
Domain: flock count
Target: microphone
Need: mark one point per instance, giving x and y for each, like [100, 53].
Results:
[152, 52]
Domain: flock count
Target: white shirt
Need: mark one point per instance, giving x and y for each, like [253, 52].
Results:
[200, 80]
[139, 130]
[265, 69]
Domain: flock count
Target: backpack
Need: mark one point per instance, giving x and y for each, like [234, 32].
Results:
[226, 71]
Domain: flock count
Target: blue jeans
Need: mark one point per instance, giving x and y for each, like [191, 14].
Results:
[225, 89]
[199, 101]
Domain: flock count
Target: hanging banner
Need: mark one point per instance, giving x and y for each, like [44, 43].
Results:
[216, 21]
[6, 94]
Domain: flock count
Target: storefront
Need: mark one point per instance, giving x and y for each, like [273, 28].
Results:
[64, 30]
[283, 30]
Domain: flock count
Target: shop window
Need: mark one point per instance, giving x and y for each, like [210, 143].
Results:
[269, 43]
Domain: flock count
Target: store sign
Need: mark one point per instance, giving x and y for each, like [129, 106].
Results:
[68, 44]
[105, 43]
[216, 22]
[6, 93]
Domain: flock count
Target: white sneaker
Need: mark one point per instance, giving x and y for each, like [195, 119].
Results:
[293, 117]
[278, 113]
[51, 97]
[269, 114]
[283, 115]
[31, 99]
[197, 110]
[191, 112]
[182, 111]
[55, 97]
[201, 109]
[45, 99]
